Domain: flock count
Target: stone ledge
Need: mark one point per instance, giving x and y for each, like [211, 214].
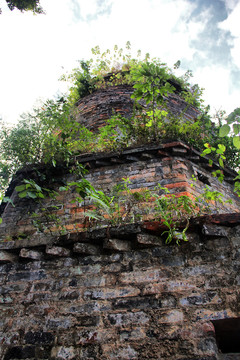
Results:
[116, 239]
[138, 153]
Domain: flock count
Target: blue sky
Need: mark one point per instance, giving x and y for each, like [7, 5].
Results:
[37, 50]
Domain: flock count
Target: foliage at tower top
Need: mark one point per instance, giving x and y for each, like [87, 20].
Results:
[119, 66]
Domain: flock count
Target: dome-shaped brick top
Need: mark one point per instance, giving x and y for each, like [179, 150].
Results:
[96, 108]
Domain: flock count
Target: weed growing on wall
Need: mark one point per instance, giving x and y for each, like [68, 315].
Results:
[45, 218]
[121, 205]
[124, 205]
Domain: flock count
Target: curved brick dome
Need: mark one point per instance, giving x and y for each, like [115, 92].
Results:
[96, 108]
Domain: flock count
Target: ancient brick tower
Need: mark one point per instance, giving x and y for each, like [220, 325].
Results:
[122, 293]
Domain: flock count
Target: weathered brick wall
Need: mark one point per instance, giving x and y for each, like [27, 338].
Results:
[170, 165]
[96, 108]
[133, 298]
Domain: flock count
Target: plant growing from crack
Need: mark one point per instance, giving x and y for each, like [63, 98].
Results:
[122, 205]
[42, 220]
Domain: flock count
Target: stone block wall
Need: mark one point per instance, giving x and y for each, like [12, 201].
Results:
[121, 294]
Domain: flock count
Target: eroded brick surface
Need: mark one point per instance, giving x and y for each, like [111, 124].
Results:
[155, 302]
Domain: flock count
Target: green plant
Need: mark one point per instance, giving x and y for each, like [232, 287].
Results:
[123, 205]
[78, 169]
[219, 153]
[117, 134]
[176, 210]
[48, 135]
[25, 144]
[232, 127]
[41, 220]
[151, 84]
[213, 196]
[20, 146]
[230, 132]
[30, 189]
[173, 211]
[45, 219]
[81, 82]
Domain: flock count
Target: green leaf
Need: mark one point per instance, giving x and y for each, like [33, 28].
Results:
[63, 188]
[37, 187]
[236, 129]
[221, 163]
[31, 195]
[31, 182]
[0, 220]
[222, 148]
[224, 130]
[92, 215]
[20, 188]
[22, 194]
[206, 151]
[236, 141]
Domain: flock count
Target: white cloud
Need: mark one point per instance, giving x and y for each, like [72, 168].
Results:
[217, 88]
[230, 4]
[231, 24]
